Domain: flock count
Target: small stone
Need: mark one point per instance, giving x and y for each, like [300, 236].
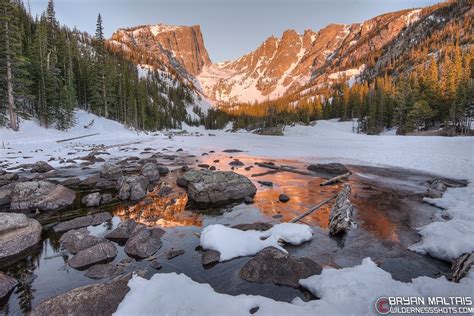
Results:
[283, 198]
[210, 257]
[266, 183]
[253, 226]
[174, 253]
[253, 310]
[249, 200]
[155, 264]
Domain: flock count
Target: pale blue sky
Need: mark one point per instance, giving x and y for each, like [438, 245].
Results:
[230, 28]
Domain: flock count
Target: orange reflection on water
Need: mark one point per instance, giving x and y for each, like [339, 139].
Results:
[163, 210]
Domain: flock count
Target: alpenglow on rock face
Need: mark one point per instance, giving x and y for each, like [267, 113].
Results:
[213, 189]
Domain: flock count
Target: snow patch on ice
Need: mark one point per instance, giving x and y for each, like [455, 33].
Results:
[233, 243]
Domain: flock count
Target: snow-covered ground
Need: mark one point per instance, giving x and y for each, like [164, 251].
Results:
[326, 141]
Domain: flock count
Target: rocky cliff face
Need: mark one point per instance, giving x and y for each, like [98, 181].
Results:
[174, 46]
[279, 66]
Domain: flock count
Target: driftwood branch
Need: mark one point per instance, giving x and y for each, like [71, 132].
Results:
[68, 139]
[284, 168]
[311, 210]
[461, 266]
[336, 179]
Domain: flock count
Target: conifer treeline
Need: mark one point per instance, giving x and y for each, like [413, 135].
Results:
[47, 70]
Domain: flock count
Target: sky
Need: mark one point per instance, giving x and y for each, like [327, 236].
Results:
[230, 28]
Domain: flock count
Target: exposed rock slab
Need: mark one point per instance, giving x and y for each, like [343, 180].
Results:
[19, 239]
[254, 226]
[41, 195]
[83, 221]
[12, 221]
[100, 271]
[274, 266]
[99, 253]
[328, 169]
[77, 240]
[144, 242]
[110, 172]
[96, 299]
[123, 231]
[216, 188]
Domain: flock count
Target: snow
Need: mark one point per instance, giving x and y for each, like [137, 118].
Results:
[458, 203]
[349, 291]
[233, 243]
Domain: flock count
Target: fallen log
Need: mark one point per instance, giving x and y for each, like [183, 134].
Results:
[311, 210]
[340, 217]
[461, 266]
[336, 179]
[284, 168]
[68, 139]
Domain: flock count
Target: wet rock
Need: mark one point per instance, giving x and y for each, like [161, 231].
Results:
[95, 299]
[83, 221]
[462, 266]
[236, 163]
[165, 190]
[7, 284]
[203, 165]
[216, 188]
[105, 184]
[151, 171]
[123, 231]
[92, 199]
[253, 310]
[71, 182]
[340, 217]
[41, 167]
[17, 234]
[277, 216]
[7, 178]
[110, 172]
[133, 188]
[6, 193]
[212, 168]
[266, 183]
[328, 169]
[163, 170]
[283, 198]
[249, 200]
[103, 252]
[254, 226]
[210, 257]
[155, 264]
[274, 266]
[100, 271]
[144, 242]
[232, 151]
[41, 195]
[174, 253]
[77, 240]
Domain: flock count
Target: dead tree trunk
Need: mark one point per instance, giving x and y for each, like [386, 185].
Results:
[461, 266]
[11, 101]
[340, 218]
[336, 179]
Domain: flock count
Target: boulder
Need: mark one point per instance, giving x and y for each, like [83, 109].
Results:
[328, 169]
[123, 231]
[41, 195]
[110, 172]
[92, 199]
[144, 242]
[133, 188]
[83, 221]
[254, 226]
[216, 188]
[151, 171]
[42, 167]
[100, 271]
[103, 252]
[272, 265]
[77, 240]
[17, 234]
[6, 193]
[163, 170]
[7, 284]
[7, 178]
[210, 257]
[95, 299]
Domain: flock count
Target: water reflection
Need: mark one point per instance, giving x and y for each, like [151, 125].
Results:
[164, 206]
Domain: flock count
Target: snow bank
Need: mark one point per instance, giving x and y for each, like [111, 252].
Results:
[349, 291]
[448, 240]
[233, 243]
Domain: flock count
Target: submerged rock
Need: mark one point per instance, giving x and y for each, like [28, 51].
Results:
[133, 188]
[17, 233]
[144, 242]
[103, 252]
[41, 195]
[216, 188]
[6, 193]
[7, 284]
[328, 169]
[96, 299]
[274, 266]
[253, 226]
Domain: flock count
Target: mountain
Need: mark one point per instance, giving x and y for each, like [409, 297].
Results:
[294, 62]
